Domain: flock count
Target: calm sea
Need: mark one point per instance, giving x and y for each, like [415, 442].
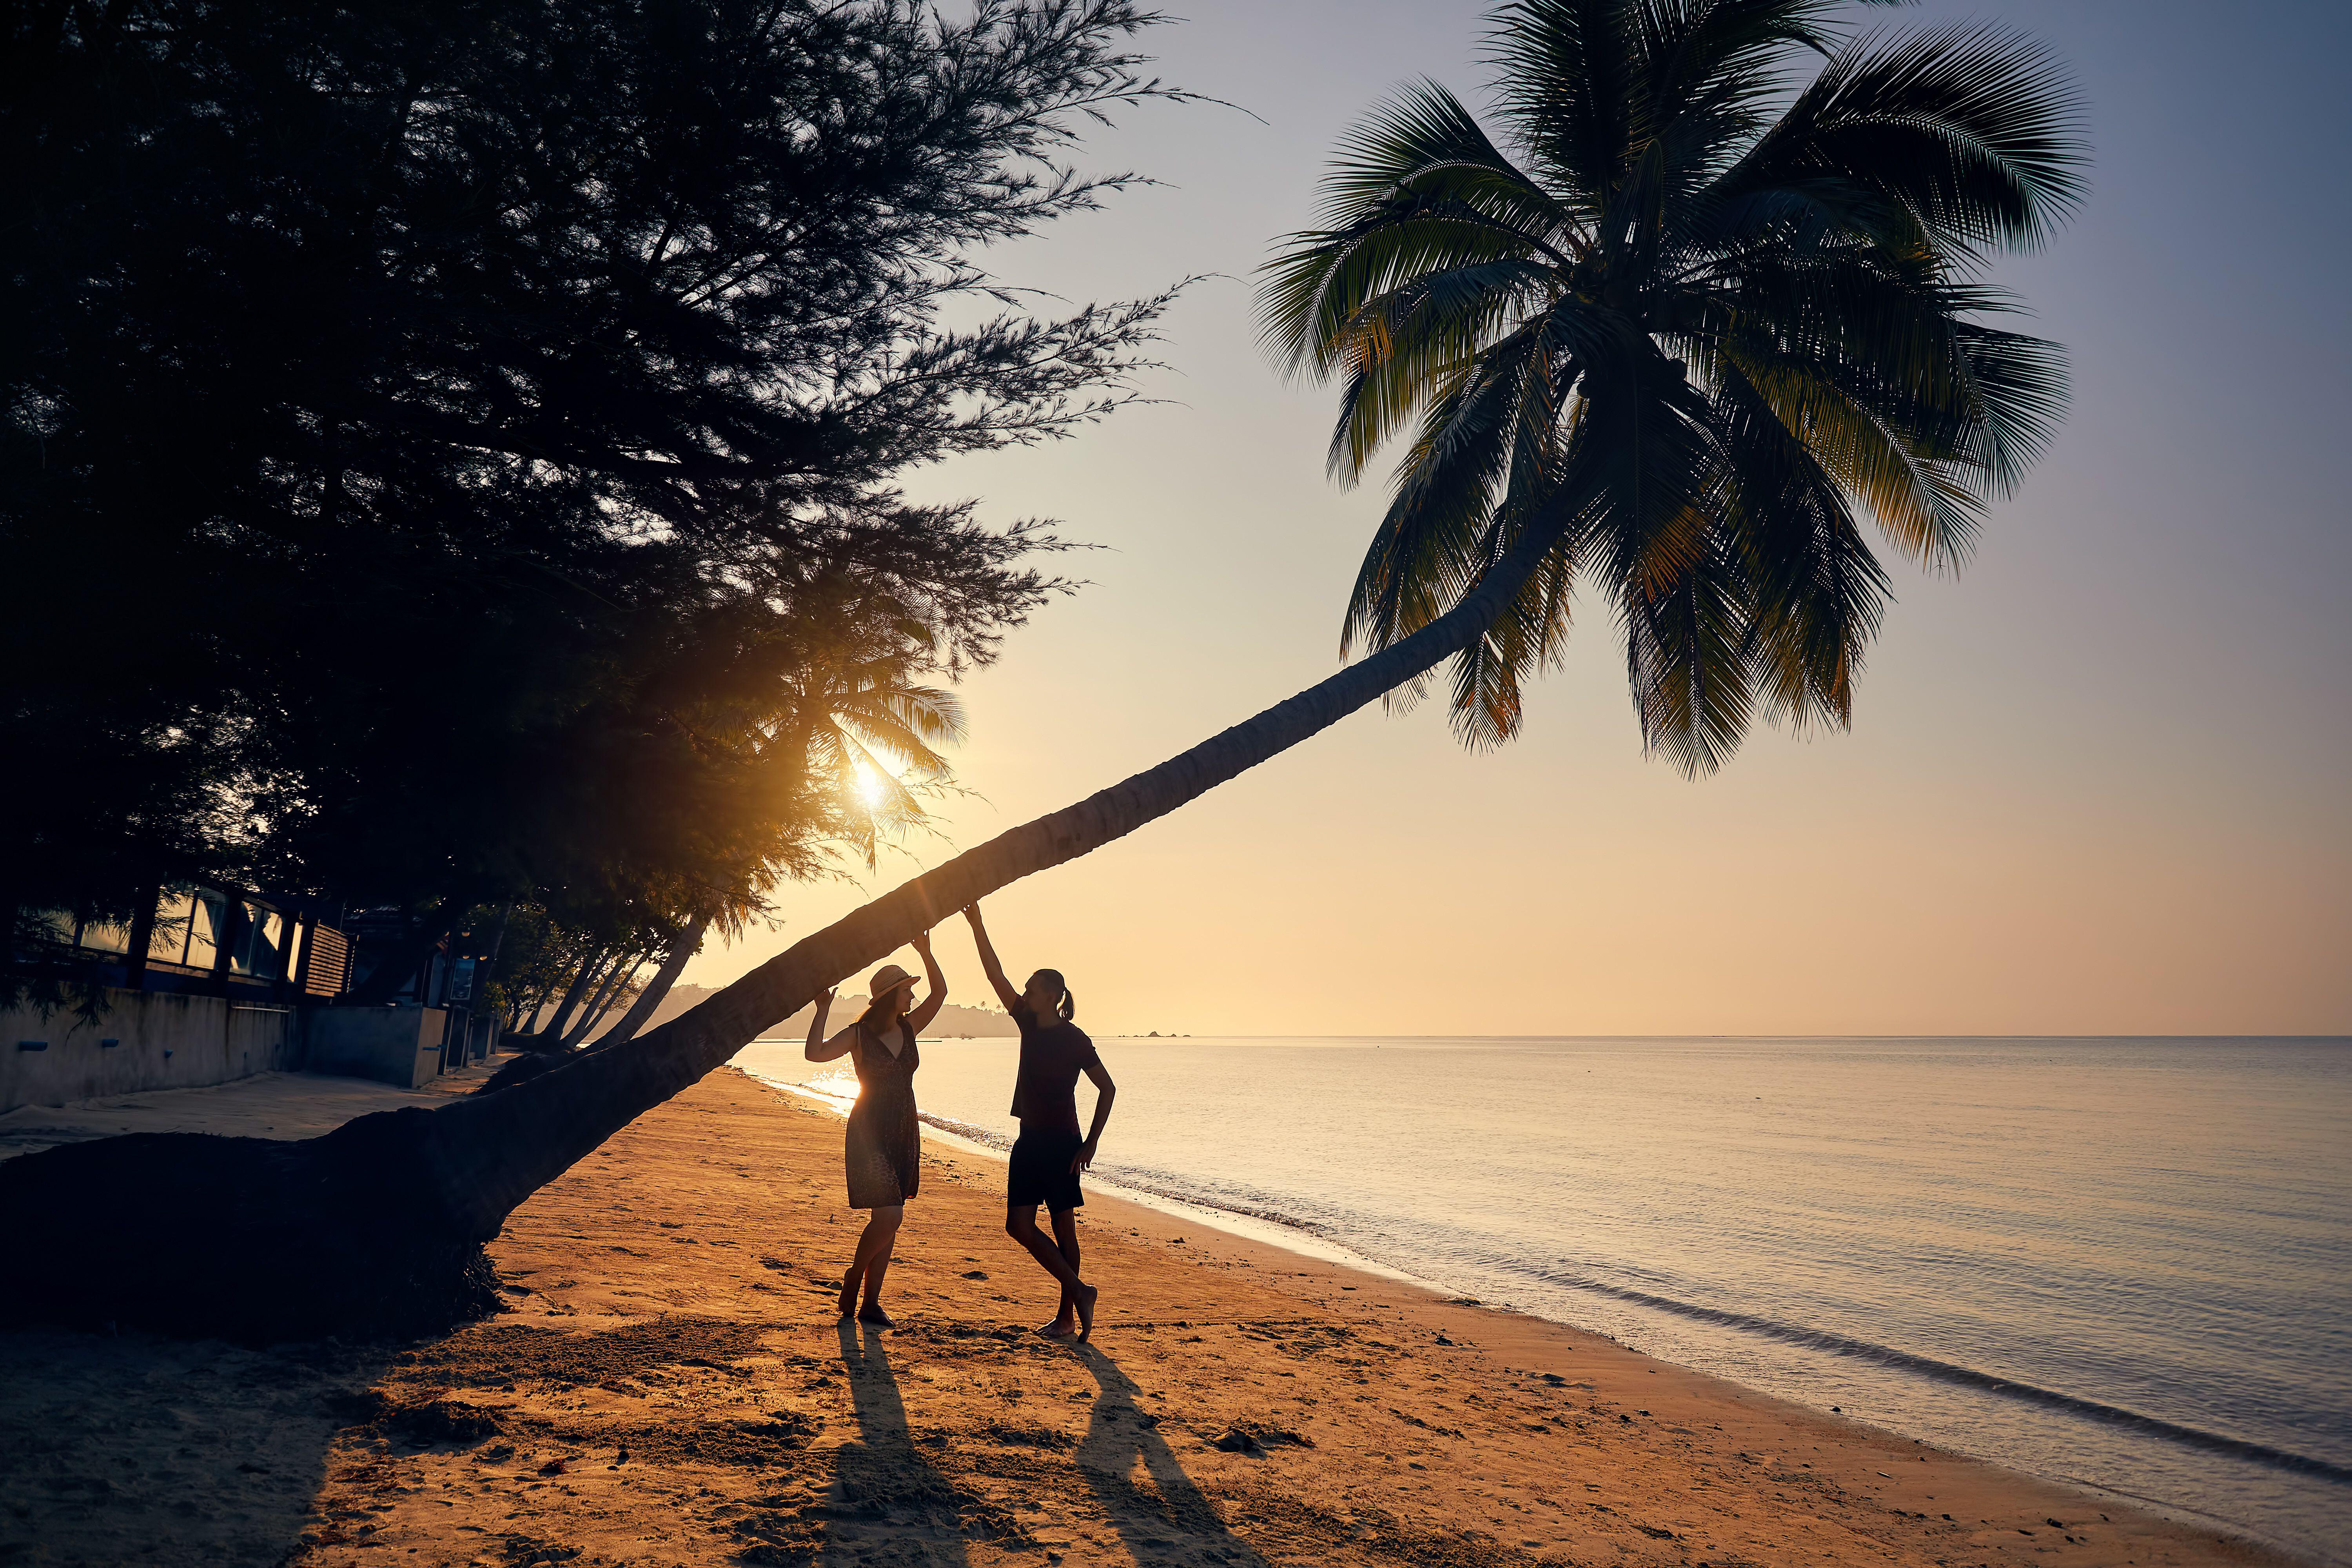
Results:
[2124, 1263]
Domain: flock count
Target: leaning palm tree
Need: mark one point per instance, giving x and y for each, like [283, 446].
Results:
[1671, 333]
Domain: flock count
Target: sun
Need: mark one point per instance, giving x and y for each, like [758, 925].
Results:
[872, 788]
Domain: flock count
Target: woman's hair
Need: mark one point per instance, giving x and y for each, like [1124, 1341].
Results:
[870, 1020]
[1069, 1005]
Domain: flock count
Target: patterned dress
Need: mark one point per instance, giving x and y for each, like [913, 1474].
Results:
[883, 1149]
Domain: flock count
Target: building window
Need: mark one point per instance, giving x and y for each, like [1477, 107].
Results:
[255, 950]
[104, 936]
[175, 914]
[207, 930]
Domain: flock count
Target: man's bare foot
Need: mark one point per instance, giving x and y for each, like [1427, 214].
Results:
[872, 1312]
[1086, 1296]
[1059, 1328]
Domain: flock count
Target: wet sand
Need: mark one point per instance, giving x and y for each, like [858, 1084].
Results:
[671, 1387]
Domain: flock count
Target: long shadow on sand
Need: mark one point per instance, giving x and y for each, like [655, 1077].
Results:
[884, 1487]
[1171, 1515]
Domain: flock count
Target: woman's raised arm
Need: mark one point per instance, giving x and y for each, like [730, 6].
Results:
[988, 964]
[819, 1048]
[920, 1017]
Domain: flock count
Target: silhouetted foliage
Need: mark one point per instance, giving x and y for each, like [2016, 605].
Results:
[413, 411]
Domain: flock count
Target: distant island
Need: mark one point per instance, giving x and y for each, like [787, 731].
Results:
[954, 1022]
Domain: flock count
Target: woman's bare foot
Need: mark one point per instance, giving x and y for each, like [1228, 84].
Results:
[848, 1302]
[1059, 1328]
[872, 1312]
[1086, 1296]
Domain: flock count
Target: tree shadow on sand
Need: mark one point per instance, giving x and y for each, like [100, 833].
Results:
[134, 1450]
[1166, 1519]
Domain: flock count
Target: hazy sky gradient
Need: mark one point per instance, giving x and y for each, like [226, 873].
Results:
[2097, 784]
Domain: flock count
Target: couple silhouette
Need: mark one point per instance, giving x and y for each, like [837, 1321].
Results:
[882, 1149]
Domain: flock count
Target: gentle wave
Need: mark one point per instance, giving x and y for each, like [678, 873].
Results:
[1969, 1377]
[1798, 1335]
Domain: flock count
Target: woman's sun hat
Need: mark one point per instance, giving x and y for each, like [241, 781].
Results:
[886, 979]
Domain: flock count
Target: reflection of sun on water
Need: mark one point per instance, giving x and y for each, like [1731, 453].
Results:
[840, 1085]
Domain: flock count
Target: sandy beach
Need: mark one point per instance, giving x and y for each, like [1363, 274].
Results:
[671, 1387]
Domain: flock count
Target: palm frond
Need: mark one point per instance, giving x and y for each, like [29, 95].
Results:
[1688, 658]
[1416, 190]
[2018, 386]
[1424, 551]
[1972, 127]
[910, 716]
[1940, 412]
[1528, 637]
[1419, 342]
[1564, 72]
[1817, 593]
[1922, 502]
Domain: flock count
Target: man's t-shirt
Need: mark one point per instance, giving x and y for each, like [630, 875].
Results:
[1053, 1053]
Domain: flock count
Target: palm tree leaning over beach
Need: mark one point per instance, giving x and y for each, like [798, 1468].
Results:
[1667, 333]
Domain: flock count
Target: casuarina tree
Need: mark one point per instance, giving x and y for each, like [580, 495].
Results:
[1706, 296]
[395, 373]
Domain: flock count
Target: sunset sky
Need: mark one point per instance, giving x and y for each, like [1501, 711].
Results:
[2101, 783]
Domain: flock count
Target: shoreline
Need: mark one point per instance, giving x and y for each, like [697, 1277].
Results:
[1256, 1232]
[671, 1388]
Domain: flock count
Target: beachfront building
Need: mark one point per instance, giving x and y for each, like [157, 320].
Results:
[209, 985]
[208, 942]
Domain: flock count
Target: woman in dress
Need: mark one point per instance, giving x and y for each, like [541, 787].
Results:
[883, 1148]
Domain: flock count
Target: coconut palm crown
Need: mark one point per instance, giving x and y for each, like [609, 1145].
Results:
[1687, 318]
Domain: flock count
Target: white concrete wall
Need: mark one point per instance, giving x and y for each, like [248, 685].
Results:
[144, 1039]
[391, 1045]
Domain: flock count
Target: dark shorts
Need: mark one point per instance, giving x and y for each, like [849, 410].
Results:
[1041, 1172]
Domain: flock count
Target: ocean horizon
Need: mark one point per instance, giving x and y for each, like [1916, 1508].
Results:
[2117, 1261]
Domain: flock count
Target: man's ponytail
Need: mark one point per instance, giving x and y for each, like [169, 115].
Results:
[1069, 1007]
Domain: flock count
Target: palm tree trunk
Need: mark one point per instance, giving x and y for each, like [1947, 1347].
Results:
[538, 1005]
[615, 994]
[689, 943]
[525, 1137]
[590, 974]
[614, 979]
[378, 1226]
